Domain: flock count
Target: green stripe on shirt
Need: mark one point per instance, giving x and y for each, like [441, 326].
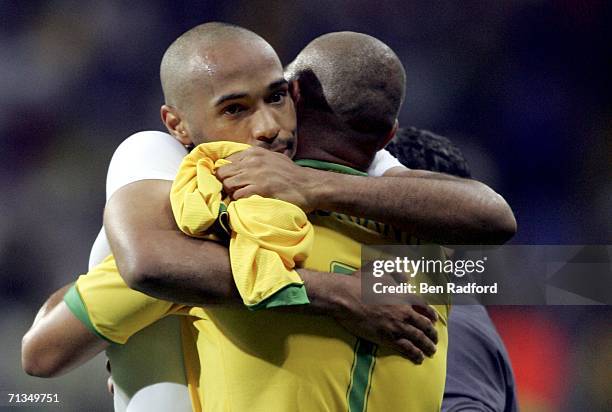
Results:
[73, 300]
[361, 375]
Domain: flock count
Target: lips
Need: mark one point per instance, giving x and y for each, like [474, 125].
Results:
[284, 146]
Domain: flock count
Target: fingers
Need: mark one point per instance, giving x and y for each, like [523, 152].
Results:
[237, 157]
[227, 171]
[424, 325]
[237, 165]
[406, 348]
[421, 306]
[427, 311]
[420, 340]
[233, 183]
[243, 163]
[411, 334]
[252, 154]
[244, 192]
[239, 187]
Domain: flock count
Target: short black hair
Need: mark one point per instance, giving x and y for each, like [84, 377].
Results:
[355, 76]
[421, 149]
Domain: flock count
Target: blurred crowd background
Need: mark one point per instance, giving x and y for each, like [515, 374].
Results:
[523, 87]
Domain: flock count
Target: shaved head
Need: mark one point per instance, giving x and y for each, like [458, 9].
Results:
[194, 57]
[353, 75]
[223, 82]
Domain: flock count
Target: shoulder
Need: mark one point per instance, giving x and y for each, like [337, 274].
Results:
[144, 155]
[149, 142]
[383, 161]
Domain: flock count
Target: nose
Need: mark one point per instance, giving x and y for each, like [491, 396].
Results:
[265, 126]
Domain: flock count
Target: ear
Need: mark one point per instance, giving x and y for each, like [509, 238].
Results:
[294, 90]
[391, 135]
[175, 124]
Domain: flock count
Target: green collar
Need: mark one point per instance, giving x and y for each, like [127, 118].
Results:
[332, 167]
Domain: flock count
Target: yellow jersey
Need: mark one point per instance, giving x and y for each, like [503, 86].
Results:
[269, 361]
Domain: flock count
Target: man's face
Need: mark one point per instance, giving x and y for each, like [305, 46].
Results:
[240, 95]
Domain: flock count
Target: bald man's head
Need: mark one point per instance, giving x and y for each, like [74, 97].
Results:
[223, 82]
[196, 54]
[355, 76]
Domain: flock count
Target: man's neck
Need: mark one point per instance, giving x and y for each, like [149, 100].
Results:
[351, 157]
[329, 166]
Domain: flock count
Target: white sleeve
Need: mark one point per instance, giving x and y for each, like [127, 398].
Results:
[382, 162]
[142, 156]
[99, 250]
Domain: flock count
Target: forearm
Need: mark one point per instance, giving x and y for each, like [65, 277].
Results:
[180, 269]
[55, 299]
[430, 206]
[154, 257]
[327, 293]
[198, 272]
[57, 341]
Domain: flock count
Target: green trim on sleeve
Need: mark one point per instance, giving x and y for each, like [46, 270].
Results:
[332, 167]
[342, 268]
[290, 295]
[77, 307]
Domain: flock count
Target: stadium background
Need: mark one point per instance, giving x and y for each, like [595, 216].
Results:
[522, 87]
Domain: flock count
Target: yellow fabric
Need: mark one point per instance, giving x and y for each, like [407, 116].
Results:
[269, 236]
[110, 302]
[279, 362]
[118, 312]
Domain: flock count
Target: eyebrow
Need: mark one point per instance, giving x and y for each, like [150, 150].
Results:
[277, 84]
[233, 96]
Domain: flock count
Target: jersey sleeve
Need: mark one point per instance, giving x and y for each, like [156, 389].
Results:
[110, 309]
[383, 161]
[143, 156]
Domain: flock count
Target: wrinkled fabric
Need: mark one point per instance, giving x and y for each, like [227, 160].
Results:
[268, 236]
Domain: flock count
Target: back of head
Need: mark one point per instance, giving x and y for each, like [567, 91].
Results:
[354, 83]
[421, 149]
